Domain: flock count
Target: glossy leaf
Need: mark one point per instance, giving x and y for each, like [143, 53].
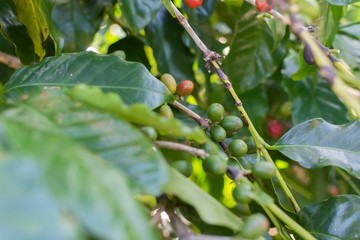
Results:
[311, 98]
[97, 195]
[139, 13]
[335, 218]
[14, 31]
[317, 143]
[79, 21]
[210, 210]
[107, 135]
[278, 29]
[342, 2]
[28, 209]
[164, 35]
[251, 59]
[132, 81]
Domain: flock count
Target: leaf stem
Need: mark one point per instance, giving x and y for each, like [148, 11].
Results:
[181, 147]
[290, 222]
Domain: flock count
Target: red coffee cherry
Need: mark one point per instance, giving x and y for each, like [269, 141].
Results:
[193, 3]
[262, 6]
[185, 88]
[275, 129]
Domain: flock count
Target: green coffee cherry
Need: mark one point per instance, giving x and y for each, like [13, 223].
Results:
[233, 163]
[218, 133]
[230, 134]
[264, 170]
[216, 112]
[169, 81]
[251, 144]
[150, 132]
[214, 165]
[243, 193]
[211, 148]
[231, 123]
[166, 111]
[238, 148]
[183, 166]
[254, 226]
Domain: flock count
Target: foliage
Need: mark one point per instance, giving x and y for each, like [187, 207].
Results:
[77, 161]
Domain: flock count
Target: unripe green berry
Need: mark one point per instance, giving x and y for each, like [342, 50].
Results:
[243, 193]
[231, 123]
[238, 148]
[218, 133]
[254, 226]
[166, 111]
[169, 81]
[216, 112]
[264, 170]
[150, 132]
[214, 165]
[183, 166]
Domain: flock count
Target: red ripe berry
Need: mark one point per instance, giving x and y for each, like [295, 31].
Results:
[193, 3]
[185, 88]
[262, 6]
[275, 129]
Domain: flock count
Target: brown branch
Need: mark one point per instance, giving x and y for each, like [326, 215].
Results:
[183, 148]
[11, 61]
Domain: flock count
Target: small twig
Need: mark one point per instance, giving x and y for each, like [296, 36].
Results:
[204, 123]
[10, 60]
[183, 148]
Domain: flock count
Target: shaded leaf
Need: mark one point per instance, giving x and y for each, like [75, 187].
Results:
[139, 13]
[304, 68]
[335, 218]
[202, 13]
[164, 35]
[342, 2]
[317, 143]
[210, 210]
[251, 59]
[132, 81]
[96, 194]
[278, 29]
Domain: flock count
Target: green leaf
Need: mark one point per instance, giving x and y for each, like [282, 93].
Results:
[342, 2]
[79, 21]
[304, 69]
[278, 29]
[139, 13]
[317, 143]
[251, 59]
[132, 81]
[167, 4]
[164, 35]
[14, 31]
[311, 98]
[202, 13]
[210, 210]
[107, 135]
[335, 218]
[97, 195]
[29, 210]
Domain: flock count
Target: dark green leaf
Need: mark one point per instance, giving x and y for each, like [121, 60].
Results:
[210, 210]
[96, 194]
[316, 143]
[28, 208]
[79, 21]
[15, 31]
[202, 13]
[251, 59]
[335, 218]
[304, 69]
[110, 137]
[342, 2]
[278, 29]
[132, 81]
[164, 35]
[139, 13]
[311, 98]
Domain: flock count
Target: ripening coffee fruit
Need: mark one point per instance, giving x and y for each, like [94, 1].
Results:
[183, 166]
[265, 170]
[308, 56]
[214, 165]
[243, 193]
[185, 88]
[254, 226]
[262, 6]
[231, 123]
[193, 3]
[216, 112]
[166, 111]
[169, 81]
[275, 129]
[218, 133]
[238, 148]
[150, 132]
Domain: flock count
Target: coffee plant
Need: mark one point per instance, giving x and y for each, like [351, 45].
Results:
[190, 120]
